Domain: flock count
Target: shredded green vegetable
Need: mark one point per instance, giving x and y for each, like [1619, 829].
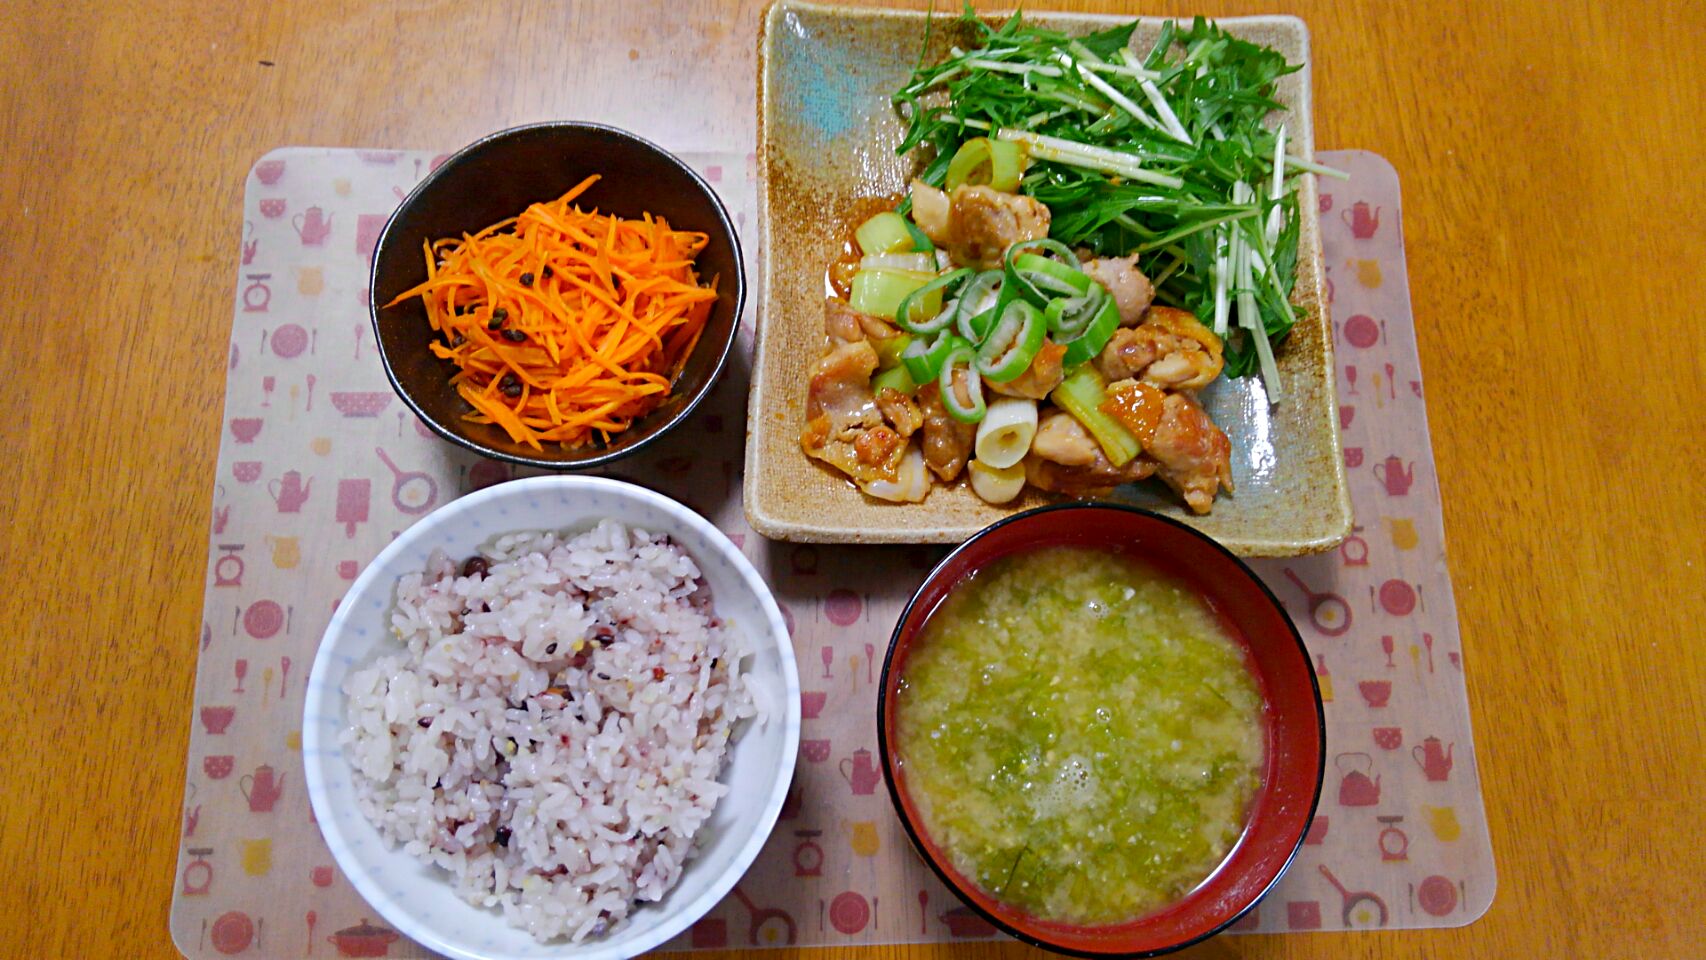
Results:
[1167, 154]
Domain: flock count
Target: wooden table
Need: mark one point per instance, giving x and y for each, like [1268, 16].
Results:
[1550, 163]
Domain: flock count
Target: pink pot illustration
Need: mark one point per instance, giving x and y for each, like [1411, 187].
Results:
[290, 493]
[313, 226]
[1434, 759]
[1363, 224]
[860, 773]
[1395, 475]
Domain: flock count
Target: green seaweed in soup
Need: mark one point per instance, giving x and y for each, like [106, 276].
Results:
[1080, 735]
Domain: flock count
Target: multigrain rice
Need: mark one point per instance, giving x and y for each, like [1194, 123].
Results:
[552, 732]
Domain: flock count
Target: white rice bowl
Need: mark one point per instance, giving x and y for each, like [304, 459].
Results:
[443, 709]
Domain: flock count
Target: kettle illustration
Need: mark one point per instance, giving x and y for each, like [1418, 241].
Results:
[1356, 789]
[1395, 475]
[313, 226]
[1362, 223]
[260, 789]
[290, 493]
[1435, 762]
[863, 777]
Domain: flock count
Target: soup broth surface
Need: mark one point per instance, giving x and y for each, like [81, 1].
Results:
[1080, 735]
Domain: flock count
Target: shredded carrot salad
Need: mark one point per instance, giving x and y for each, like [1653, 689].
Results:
[565, 324]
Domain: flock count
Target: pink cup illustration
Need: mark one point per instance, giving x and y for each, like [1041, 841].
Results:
[313, 226]
[347, 569]
[815, 751]
[246, 429]
[320, 876]
[246, 471]
[272, 207]
[1353, 457]
[218, 767]
[368, 227]
[1325, 202]
[1388, 738]
[215, 719]
[811, 703]
[269, 172]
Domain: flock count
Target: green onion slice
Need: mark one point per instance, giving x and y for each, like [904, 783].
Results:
[971, 322]
[924, 358]
[962, 355]
[981, 161]
[1013, 344]
[1040, 279]
[903, 313]
[1095, 336]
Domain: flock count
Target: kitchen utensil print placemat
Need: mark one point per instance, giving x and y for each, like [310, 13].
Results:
[321, 465]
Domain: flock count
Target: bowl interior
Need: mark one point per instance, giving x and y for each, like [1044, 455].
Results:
[498, 177]
[1292, 719]
[417, 898]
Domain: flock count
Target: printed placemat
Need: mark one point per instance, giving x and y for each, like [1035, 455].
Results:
[321, 465]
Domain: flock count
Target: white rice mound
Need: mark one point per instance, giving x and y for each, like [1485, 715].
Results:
[553, 732]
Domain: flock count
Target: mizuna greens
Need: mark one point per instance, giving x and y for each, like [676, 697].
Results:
[1167, 155]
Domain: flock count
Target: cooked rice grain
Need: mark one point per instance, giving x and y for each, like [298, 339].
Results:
[553, 733]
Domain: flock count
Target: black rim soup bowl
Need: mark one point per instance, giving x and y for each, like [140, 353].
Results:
[498, 177]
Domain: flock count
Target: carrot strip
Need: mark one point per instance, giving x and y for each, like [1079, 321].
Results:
[565, 325]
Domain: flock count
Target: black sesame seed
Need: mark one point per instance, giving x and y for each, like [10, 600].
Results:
[514, 336]
[510, 386]
[527, 279]
[550, 648]
[501, 837]
[546, 273]
[423, 723]
[475, 566]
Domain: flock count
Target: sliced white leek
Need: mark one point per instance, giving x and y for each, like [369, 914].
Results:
[911, 483]
[1006, 431]
[919, 262]
[996, 484]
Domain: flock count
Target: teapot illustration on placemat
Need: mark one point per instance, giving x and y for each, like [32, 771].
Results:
[1356, 788]
[862, 776]
[1434, 761]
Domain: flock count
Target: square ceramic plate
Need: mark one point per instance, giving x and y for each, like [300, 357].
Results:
[827, 137]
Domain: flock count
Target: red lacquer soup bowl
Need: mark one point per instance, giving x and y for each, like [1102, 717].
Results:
[1293, 728]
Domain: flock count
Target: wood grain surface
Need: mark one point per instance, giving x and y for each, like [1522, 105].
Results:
[1549, 155]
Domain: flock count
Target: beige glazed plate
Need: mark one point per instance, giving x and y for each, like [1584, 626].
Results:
[827, 137]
